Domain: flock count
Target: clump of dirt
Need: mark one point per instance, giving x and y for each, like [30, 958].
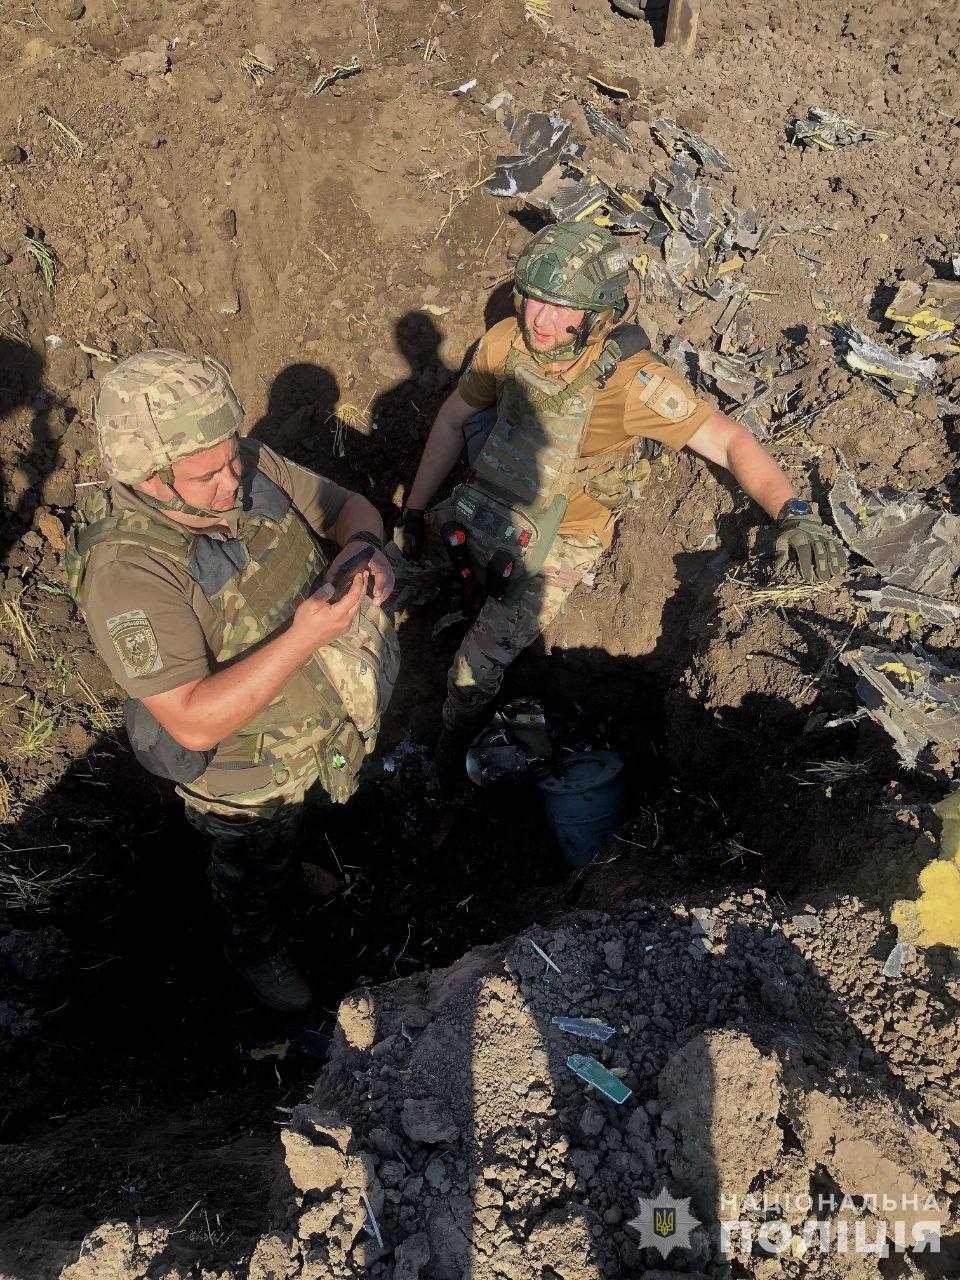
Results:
[766, 1054]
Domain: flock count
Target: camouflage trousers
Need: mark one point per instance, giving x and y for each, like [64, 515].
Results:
[253, 843]
[502, 629]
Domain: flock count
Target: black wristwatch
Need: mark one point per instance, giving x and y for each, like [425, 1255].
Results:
[364, 535]
[794, 507]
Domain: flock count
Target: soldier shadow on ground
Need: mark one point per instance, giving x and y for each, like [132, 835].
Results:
[21, 384]
[371, 448]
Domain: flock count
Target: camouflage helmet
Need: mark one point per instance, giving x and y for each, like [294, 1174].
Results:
[159, 406]
[574, 264]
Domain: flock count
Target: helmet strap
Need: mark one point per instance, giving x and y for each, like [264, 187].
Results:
[231, 517]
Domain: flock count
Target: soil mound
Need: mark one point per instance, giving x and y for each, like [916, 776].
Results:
[772, 1067]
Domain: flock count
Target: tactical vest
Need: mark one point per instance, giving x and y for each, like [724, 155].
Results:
[530, 464]
[254, 582]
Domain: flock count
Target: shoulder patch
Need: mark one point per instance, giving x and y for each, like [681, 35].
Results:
[135, 642]
[665, 397]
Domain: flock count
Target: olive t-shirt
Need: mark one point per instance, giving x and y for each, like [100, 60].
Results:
[617, 418]
[150, 622]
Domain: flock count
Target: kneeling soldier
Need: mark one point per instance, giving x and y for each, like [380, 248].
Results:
[207, 593]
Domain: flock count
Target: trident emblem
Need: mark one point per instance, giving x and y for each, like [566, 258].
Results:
[664, 1222]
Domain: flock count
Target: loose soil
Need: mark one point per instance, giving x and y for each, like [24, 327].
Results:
[337, 253]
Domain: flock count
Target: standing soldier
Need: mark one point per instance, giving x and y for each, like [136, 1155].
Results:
[207, 594]
[577, 409]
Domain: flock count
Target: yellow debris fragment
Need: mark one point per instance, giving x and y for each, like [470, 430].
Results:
[934, 918]
[922, 324]
[731, 264]
[900, 670]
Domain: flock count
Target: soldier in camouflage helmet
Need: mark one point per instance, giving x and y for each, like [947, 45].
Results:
[563, 409]
[206, 589]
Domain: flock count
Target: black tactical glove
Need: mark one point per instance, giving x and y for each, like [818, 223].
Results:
[413, 532]
[817, 552]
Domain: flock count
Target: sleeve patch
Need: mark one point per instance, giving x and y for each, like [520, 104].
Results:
[135, 642]
[667, 398]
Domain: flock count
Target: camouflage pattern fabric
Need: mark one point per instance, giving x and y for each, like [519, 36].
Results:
[501, 630]
[574, 264]
[318, 729]
[534, 446]
[252, 843]
[158, 406]
[330, 708]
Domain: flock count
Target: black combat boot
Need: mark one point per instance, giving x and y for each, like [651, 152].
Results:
[276, 982]
[449, 756]
[251, 876]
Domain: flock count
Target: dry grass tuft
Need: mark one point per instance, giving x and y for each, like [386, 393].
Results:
[777, 597]
[827, 773]
[255, 67]
[33, 890]
[15, 619]
[11, 325]
[97, 713]
[539, 13]
[45, 259]
[349, 415]
[66, 139]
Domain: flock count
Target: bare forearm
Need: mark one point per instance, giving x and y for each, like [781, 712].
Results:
[222, 703]
[729, 444]
[440, 455]
[443, 448]
[759, 475]
[357, 515]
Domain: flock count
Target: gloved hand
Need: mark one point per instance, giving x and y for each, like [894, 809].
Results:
[817, 552]
[413, 533]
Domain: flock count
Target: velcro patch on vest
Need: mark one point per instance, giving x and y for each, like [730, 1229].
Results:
[135, 642]
[665, 397]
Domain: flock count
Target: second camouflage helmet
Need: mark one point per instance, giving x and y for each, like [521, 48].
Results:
[159, 406]
[574, 264]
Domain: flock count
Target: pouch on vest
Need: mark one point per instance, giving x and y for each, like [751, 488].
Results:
[528, 460]
[476, 432]
[495, 523]
[156, 750]
[339, 760]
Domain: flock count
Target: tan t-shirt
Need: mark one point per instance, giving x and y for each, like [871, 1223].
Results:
[141, 596]
[617, 418]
